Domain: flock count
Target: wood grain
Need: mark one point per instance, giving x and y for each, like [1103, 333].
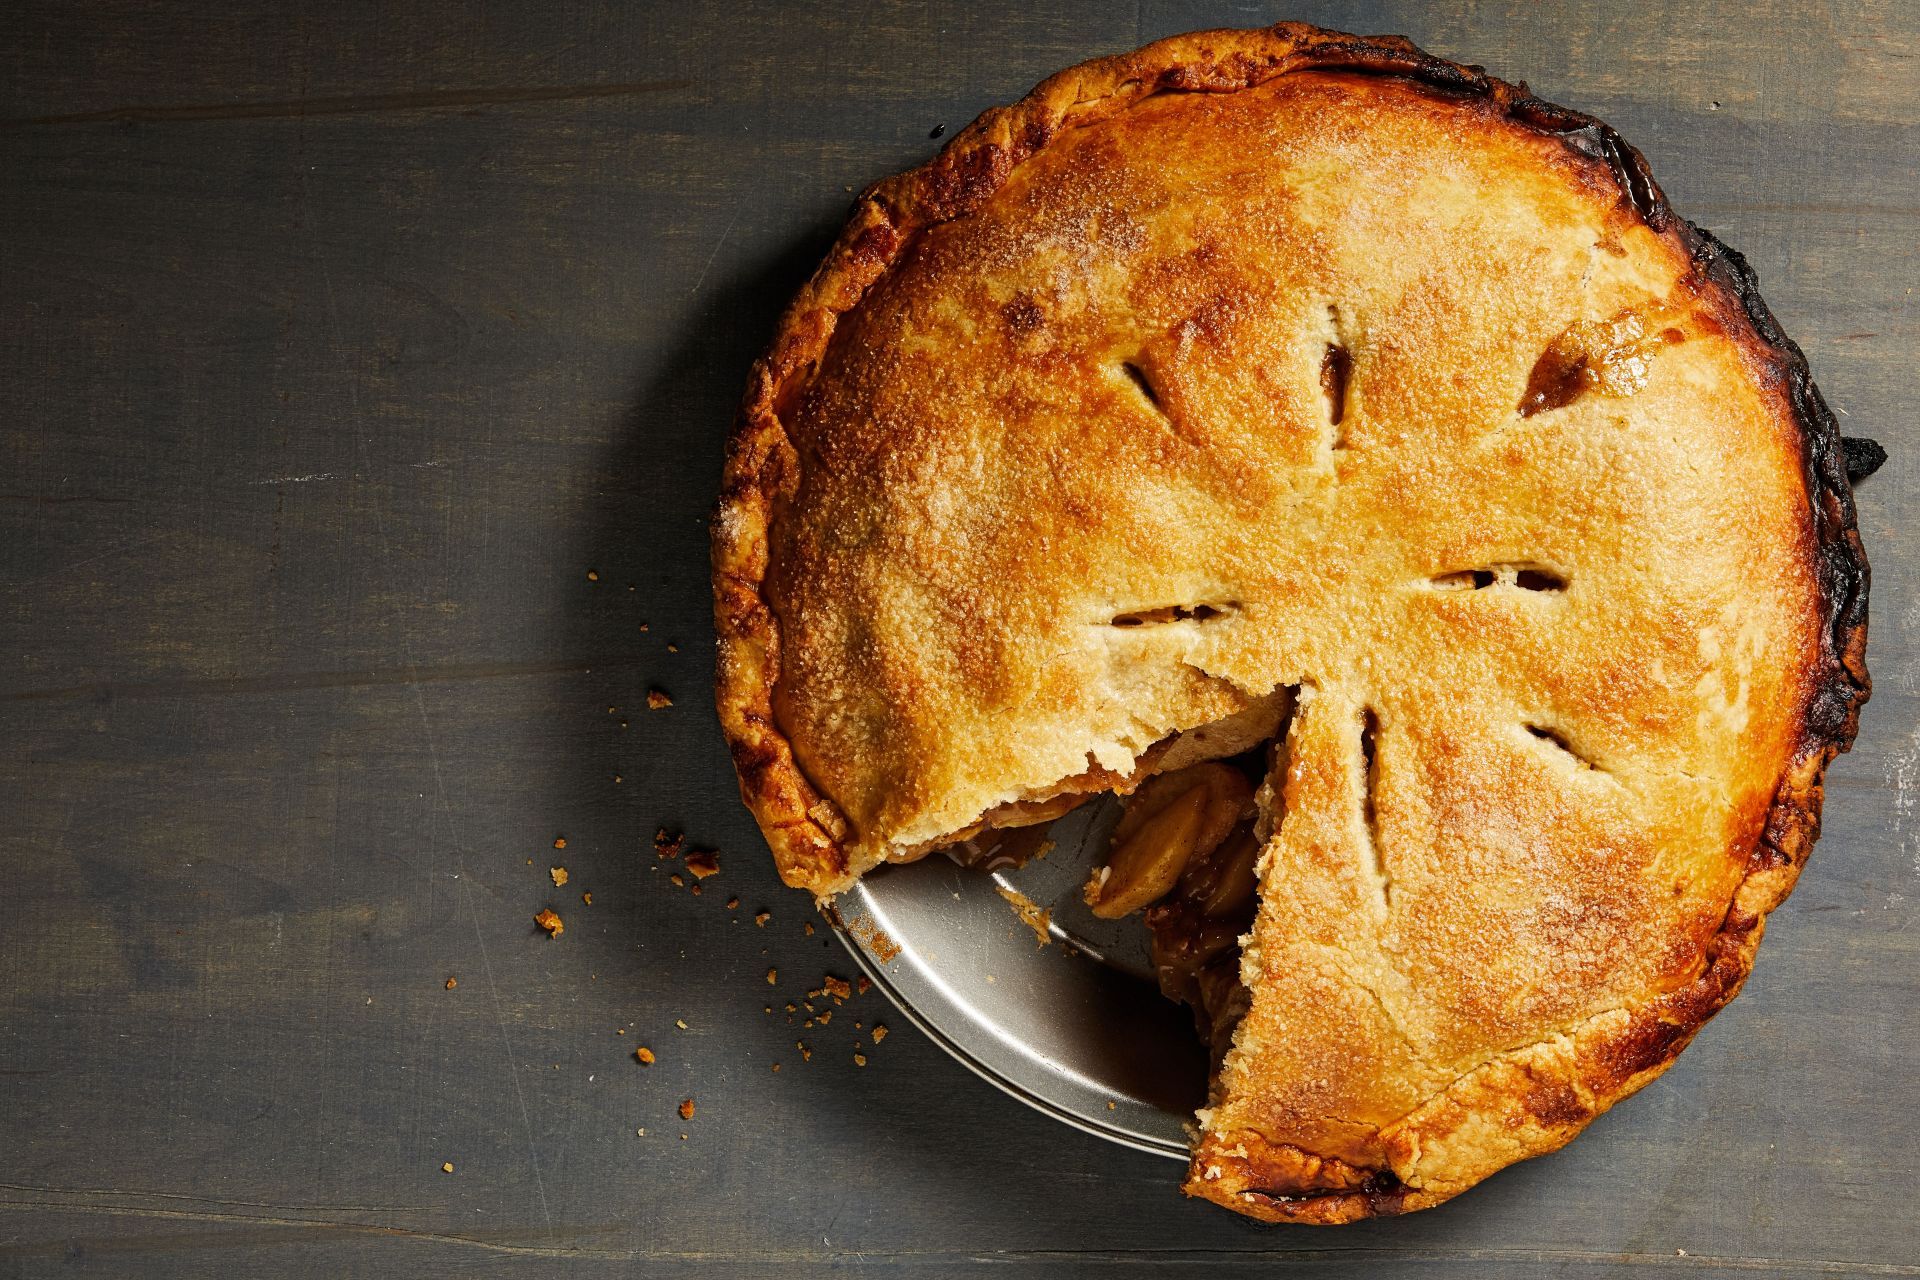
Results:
[338, 346]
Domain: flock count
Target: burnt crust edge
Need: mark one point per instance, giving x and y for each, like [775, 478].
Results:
[808, 834]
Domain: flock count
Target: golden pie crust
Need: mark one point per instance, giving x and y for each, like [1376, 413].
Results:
[1263, 360]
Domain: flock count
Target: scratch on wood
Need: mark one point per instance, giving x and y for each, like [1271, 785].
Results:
[1676, 1262]
[1903, 778]
[66, 570]
[360, 104]
[725, 232]
[301, 681]
[44, 500]
[57, 1193]
[426, 725]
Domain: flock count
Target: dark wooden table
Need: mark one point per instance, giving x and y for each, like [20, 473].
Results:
[363, 374]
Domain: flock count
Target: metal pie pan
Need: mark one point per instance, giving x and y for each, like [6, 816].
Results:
[1075, 1028]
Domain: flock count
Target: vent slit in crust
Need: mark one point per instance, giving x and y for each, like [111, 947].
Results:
[1559, 378]
[1336, 367]
[1336, 376]
[1539, 578]
[1138, 377]
[1369, 781]
[1525, 577]
[1555, 738]
[1613, 357]
[1174, 613]
[1464, 580]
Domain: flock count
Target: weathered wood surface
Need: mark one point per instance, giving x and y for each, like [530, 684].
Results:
[338, 343]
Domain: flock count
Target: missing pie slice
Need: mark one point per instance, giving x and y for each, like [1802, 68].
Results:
[1373, 429]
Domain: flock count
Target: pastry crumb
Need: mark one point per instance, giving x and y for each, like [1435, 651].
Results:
[838, 988]
[559, 842]
[704, 863]
[680, 1023]
[645, 1055]
[859, 1059]
[760, 918]
[677, 879]
[806, 1054]
[550, 921]
[559, 875]
[686, 1109]
[446, 1166]
[808, 927]
[733, 904]
[773, 976]
[657, 699]
[776, 1067]
[586, 898]
[884, 948]
[667, 844]
[1031, 913]
[452, 982]
[592, 576]
[862, 984]
[879, 1032]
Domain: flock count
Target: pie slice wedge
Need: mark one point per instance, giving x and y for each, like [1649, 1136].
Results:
[1300, 399]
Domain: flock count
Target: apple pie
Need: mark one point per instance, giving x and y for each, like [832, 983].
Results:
[1352, 460]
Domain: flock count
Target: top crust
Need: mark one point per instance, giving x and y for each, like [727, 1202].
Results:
[943, 606]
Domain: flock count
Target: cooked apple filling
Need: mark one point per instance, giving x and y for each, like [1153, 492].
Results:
[1186, 852]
